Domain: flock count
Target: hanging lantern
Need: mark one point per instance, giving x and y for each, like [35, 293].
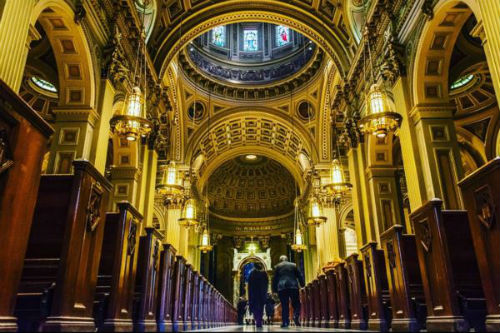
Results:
[315, 216]
[189, 214]
[169, 185]
[132, 123]
[338, 186]
[205, 242]
[299, 245]
[380, 120]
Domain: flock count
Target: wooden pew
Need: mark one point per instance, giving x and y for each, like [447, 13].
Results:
[331, 287]
[23, 143]
[310, 305]
[481, 195]
[117, 270]
[186, 300]
[60, 268]
[203, 302]
[195, 297]
[147, 281]
[404, 279]
[323, 294]
[178, 294]
[450, 275]
[167, 286]
[342, 296]
[358, 303]
[304, 308]
[316, 303]
[377, 288]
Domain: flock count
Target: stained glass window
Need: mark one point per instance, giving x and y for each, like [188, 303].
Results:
[250, 40]
[282, 35]
[45, 85]
[462, 81]
[219, 36]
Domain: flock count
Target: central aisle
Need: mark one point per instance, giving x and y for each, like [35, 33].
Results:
[274, 328]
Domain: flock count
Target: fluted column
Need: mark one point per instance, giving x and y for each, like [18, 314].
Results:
[489, 31]
[15, 38]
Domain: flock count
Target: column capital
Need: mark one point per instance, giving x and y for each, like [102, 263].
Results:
[125, 173]
[70, 114]
[432, 111]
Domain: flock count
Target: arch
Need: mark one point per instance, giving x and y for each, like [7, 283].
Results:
[71, 50]
[435, 48]
[190, 24]
[253, 132]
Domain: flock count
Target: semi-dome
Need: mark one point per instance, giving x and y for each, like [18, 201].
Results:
[251, 186]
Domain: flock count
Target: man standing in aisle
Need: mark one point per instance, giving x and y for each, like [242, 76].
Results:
[286, 282]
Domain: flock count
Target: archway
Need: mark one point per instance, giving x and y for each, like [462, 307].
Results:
[185, 26]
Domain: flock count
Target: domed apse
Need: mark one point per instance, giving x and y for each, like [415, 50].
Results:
[251, 186]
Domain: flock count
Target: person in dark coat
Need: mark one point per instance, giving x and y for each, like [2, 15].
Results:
[270, 308]
[286, 282]
[257, 291]
[242, 309]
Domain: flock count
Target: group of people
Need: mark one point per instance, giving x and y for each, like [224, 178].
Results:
[286, 283]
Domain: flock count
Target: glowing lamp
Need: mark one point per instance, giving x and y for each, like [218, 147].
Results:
[205, 242]
[337, 186]
[299, 245]
[132, 123]
[315, 216]
[169, 185]
[380, 120]
[189, 215]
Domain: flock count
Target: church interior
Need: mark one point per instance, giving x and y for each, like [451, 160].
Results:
[153, 151]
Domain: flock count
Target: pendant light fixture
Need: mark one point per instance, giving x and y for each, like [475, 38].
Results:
[337, 187]
[315, 216]
[298, 245]
[169, 186]
[189, 216]
[205, 236]
[380, 118]
[132, 124]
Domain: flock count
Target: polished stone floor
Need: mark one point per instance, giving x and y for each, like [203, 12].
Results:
[274, 328]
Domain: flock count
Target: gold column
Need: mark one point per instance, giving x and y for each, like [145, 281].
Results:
[72, 139]
[385, 202]
[489, 31]
[430, 151]
[125, 181]
[150, 187]
[357, 198]
[331, 234]
[173, 227]
[101, 134]
[15, 39]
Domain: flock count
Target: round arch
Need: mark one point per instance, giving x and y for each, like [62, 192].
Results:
[209, 15]
[255, 130]
[435, 48]
[71, 51]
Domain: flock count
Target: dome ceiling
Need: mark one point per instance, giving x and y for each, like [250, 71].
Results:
[251, 187]
[252, 53]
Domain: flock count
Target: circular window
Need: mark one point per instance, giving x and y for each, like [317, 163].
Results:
[306, 110]
[43, 84]
[462, 81]
[196, 111]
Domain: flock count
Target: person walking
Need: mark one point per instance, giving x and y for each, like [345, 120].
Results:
[286, 282]
[270, 308]
[257, 291]
[242, 309]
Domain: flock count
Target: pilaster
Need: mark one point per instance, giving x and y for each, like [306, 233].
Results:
[489, 31]
[15, 39]
[430, 151]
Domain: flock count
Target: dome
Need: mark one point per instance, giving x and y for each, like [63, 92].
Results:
[251, 186]
[251, 53]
